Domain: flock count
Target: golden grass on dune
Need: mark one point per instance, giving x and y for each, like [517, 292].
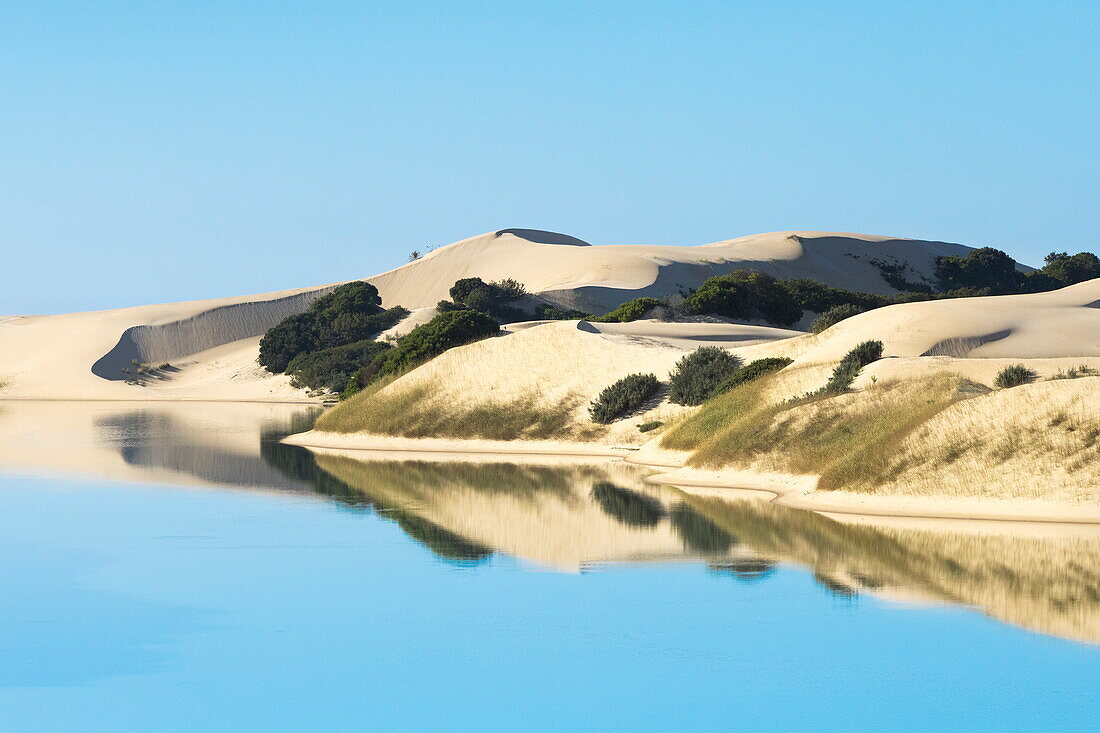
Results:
[421, 411]
[846, 439]
[940, 435]
[1038, 440]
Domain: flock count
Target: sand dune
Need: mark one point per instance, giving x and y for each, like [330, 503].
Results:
[83, 355]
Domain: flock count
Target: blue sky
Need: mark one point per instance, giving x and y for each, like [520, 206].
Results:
[160, 151]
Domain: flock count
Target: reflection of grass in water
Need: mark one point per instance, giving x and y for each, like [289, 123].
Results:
[299, 463]
[1050, 584]
[745, 570]
[699, 533]
[629, 507]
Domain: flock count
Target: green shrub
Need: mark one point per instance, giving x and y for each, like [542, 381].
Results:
[428, 340]
[753, 370]
[649, 426]
[350, 313]
[629, 507]
[1013, 376]
[632, 310]
[1066, 269]
[294, 335]
[623, 397]
[835, 315]
[698, 375]
[475, 294]
[332, 368]
[744, 295]
[980, 268]
[547, 312]
[811, 295]
[1082, 370]
[846, 371]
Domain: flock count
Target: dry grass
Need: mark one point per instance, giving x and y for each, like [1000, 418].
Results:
[420, 411]
[1038, 441]
[848, 440]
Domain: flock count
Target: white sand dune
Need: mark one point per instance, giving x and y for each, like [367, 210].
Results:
[596, 278]
[83, 355]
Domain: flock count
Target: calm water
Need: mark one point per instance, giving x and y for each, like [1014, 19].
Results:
[171, 568]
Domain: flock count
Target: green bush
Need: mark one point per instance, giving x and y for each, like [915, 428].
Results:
[1066, 269]
[547, 312]
[1013, 376]
[623, 397]
[350, 313]
[431, 339]
[744, 295]
[698, 375]
[846, 371]
[835, 315]
[649, 426]
[332, 368]
[473, 293]
[811, 295]
[294, 335]
[754, 370]
[1082, 370]
[980, 268]
[631, 310]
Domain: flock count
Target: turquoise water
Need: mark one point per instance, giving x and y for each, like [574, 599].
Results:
[330, 594]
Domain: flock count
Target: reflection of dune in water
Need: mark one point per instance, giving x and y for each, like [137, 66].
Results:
[1048, 583]
[552, 516]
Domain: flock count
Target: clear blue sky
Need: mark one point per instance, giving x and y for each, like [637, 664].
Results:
[158, 151]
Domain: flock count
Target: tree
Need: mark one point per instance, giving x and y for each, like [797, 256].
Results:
[414, 255]
[979, 269]
[1068, 269]
[744, 295]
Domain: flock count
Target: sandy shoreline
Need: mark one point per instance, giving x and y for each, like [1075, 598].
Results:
[796, 492]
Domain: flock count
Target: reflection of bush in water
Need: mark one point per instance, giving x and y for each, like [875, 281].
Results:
[834, 586]
[299, 463]
[629, 507]
[746, 570]
[699, 533]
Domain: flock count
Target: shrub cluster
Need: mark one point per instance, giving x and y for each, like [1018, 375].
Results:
[744, 295]
[1082, 370]
[623, 397]
[332, 368]
[428, 340]
[835, 315]
[548, 312]
[754, 370]
[631, 310]
[992, 272]
[350, 313]
[473, 293]
[1013, 376]
[698, 376]
[845, 372]
[811, 295]
[751, 295]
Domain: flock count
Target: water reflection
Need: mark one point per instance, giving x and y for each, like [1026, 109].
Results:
[572, 517]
